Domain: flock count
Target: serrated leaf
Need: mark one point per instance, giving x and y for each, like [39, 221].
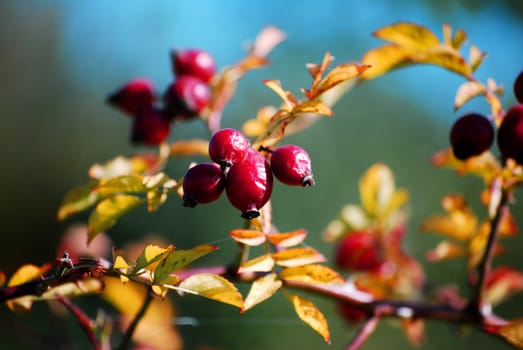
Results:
[213, 287]
[287, 239]
[315, 107]
[298, 257]
[408, 34]
[311, 315]
[125, 183]
[384, 59]
[108, 211]
[178, 259]
[150, 255]
[512, 333]
[338, 75]
[77, 200]
[249, 237]
[262, 289]
[263, 263]
[312, 274]
[467, 91]
[186, 148]
[446, 250]
[502, 282]
[275, 86]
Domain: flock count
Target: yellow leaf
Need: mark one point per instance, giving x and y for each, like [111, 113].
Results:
[122, 183]
[313, 106]
[512, 333]
[298, 257]
[77, 199]
[115, 167]
[86, 286]
[25, 274]
[275, 129]
[108, 211]
[445, 57]
[214, 287]
[467, 91]
[475, 57]
[377, 188]
[150, 255]
[287, 239]
[263, 263]
[407, 34]
[186, 148]
[338, 75]
[445, 250]
[248, 237]
[120, 263]
[275, 86]
[311, 315]
[316, 71]
[484, 165]
[178, 259]
[459, 226]
[262, 289]
[313, 274]
[458, 39]
[384, 59]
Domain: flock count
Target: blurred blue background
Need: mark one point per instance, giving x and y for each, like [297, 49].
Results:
[60, 59]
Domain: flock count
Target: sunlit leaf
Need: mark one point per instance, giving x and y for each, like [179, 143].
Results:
[467, 91]
[298, 257]
[262, 289]
[186, 148]
[384, 59]
[478, 244]
[178, 259]
[115, 167]
[316, 72]
[460, 226]
[338, 75]
[445, 57]
[120, 263]
[484, 165]
[263, 263]
[399, 199]
[459, 38]
[248, 237]
[354, 216]
[267, 40]
[314, 106]
[447, 34]
[475, 57]
[275, 86]
[25, 273]
[81, 287]
[502, 282]
[408, 34]
[214, 287]
[446, 250]
[275, 129]
[108, 211]
[124, 183]
[77, 200]
[311, 315]
[334, 230]
[313, 274]
[512, 333]
[287, 239]
[149, 256]
[377, 187]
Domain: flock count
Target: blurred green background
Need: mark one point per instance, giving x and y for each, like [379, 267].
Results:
[60, 59]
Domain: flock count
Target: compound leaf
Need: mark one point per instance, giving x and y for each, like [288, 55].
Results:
[213, 287]
[311, 315]
[298, 257]
[312, 274]
[262, 289]
[178, 259]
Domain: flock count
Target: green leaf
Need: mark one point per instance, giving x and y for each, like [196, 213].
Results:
[262, 289]
[213, 287]
[178, 259]
[108, 211]
[77, 200]
[124, 183]
[150, 255]
[311, 315]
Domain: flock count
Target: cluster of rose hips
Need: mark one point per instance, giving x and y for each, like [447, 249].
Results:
[473, 133]
[185, 97]
[244, 173]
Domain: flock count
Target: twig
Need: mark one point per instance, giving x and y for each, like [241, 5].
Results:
[364, 333]
[139, 315]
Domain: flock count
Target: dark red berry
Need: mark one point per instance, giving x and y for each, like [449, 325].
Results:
[360, 251]
[510, 134]
[150, 127]
[350, 313]
[518, 87]
[249, 184]
[187, 97]
[203, 183]
[471, 135]
[291, 165]
[228, 146]
[133, 97]
[193, 62]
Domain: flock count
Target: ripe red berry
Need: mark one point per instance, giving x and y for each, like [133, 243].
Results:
[133, 97]
[193, 62]
[360, 251]
[150, 127]
[228, 146]
[249, 184]
[291, 165]
[510, 134]
[471, 135]
[518, 87]
[187, 97]
[203, 183]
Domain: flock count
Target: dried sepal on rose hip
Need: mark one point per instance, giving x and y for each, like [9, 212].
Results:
[133, 97]
[186, 97]
[249, 184]
[510, 134]
[195, 62]
[202, 183]
[291, 165]
[471, 135]
[228, 146]
[150, 127]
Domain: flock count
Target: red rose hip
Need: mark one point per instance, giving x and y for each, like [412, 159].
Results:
[150, 127]
[228, 146]
[203, 183]
[291, 165]
[518, 87]
[133, 97]
[187, 97]
[249, 184]
[510, 134]
[360, 251]
[196, 62]
[471, 135]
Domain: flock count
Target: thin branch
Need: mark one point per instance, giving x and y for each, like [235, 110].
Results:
[126, 340]
[364, 333]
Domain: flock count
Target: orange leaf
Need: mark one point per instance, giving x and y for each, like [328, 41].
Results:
[467, 91]
[248, 237]
[414, 330]
[26, 273]
[445, 250]
[512, 333]
[287, 239]
[2, 279]
[384, 59]
[410, 35]
[460, 226]
[313, 106]
[263, 263]
[213, 287]
[298, 257]
[313, 274]
[311, 315]
[275, 86]
[338, 75]
[187, 148]
[484, 165]
[262, 289]
[475, 57]
[445, 57]
[458, 39]
[501, 283]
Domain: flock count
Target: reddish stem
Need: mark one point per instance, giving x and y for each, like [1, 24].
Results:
[364, 333]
